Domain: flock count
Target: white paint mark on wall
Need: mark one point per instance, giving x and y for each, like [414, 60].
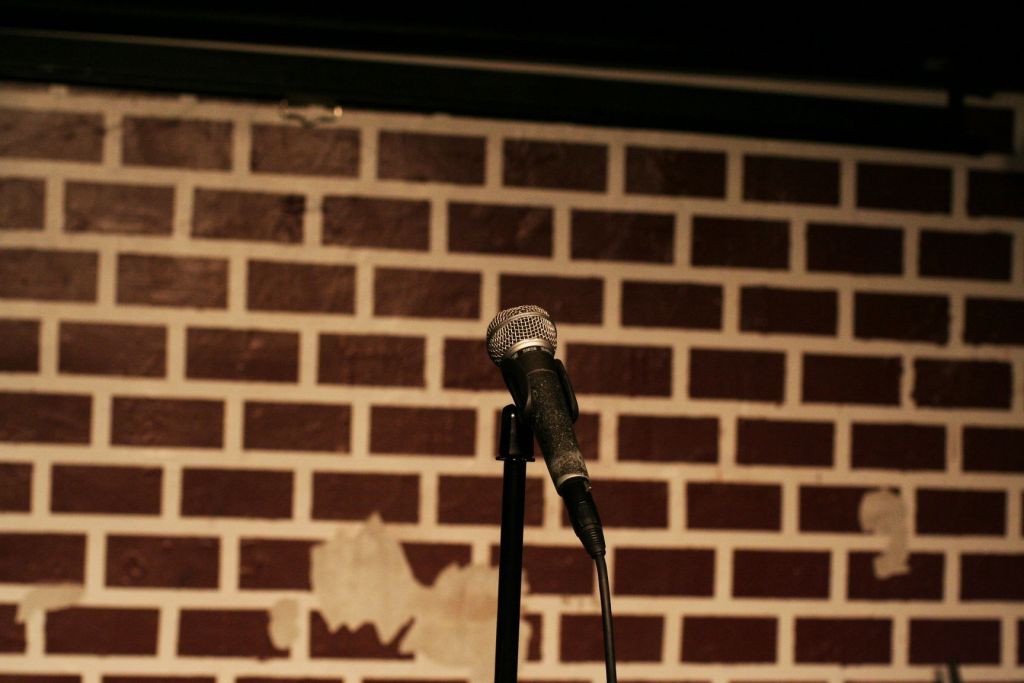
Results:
[883, 512]
[46, 598]
[284, 623]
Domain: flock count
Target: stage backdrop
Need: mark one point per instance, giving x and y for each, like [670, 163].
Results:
[248, 421]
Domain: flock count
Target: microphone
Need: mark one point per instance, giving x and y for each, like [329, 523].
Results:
[522, 341]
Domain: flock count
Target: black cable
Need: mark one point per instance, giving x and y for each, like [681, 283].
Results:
[606, 619]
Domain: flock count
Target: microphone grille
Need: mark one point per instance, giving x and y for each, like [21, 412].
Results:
[515, 325]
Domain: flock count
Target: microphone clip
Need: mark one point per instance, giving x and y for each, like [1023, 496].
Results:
[518, 371]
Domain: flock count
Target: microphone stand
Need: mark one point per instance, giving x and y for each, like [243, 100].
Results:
[515, 448]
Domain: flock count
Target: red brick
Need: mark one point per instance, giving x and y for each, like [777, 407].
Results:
[739, 243]
[15, 487]
[262, 494]
[19, 345]
[620, 370]
[834, 509]
[162, 561]
[336, 495]
[991, 577]
[245, 355]
[637, 638]
[738, 375]
[318, 427]
[962, 383]
[377, 222]
[566, 299]
[104, 349]
[12, 633]
[790, 179]
[426, 293]
[57, 135]
[631, 503]
[102, 631]
[179, 143]
[457, 159]
[675, 172]
[994, 321]
[467, 366]
[275, 564]
[588, 435]
[732, 640]
[784, 442]
[621, 236]
[898, 446]
[422, 431]
[167, 422]
[323, 151]
[226, 633]
[556, 570]
[21, 203]
[428, 560]
[923, 582]
[904, 317]
[961, 513]
[668, 439]
[477, 500]
[965, 641]
[714, 505]
[869, 380]
[788, 311]
[671, 304]
[278, 679]
[150, 280]
[555, 165]
[158, 679]
[256, 216]
[42, 558]
[995, 193]
[45, 418]
[301, 287]
[371, 360]
[968, 256]
[665, 571]
[362, 643]
[106, 490]
[924, 189]
[856, 249]
[843, 641]
[533, 648]
[48, 275]
[993, 449]
[499, 229]
[778, 574]
[118, 208]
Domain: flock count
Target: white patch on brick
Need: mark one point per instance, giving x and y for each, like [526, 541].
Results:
[46, 598]
[883, 512]
[284, 623]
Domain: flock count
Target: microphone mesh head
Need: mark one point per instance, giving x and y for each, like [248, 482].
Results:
[513, 326]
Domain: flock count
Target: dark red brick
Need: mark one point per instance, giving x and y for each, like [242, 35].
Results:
[477, 500]
[731, 640]
[665, 571]
[151, 280]
[42, 558]
[499, 229]
[671, 304]
[167, 422]
[118, 208]
[964, 641]
[48, 275]
[924, 189]
[870, 380]
[158, 679]
[102, 631]
[555, 165]
[301, 287]
[675, 172]
[557, 570]
[39, 678]
[278, 679]
[362, 643]
[789, 311]
[843, 641]
[738, 375]
[274, 564]
[991, 577]
[245, 355]
[337, 495]
[256, 216]
[457, 159]
[12, 633]
[321, 151]
[778, 574]
[715, 505]
[637, 638]
[428, 560]
[106, 490]
[995, 193]
[105, 349]
[894, 446]
[261, 494]
[15, 487]
[790, 179]
[19, 345]
[162, 561]
[739, 243]
[994, 321]
[620, 370]
[533, 647]
[318, 427]
[179, 143]
[905, 317]
[567, 299]
[960, 512]
[422, 431]
[784, 442]
[855, 249]
[833, 509]
[56, 135]
[631, 503]
[962, 383]
[426, 293]
[371, 360]
[22, 203]
[993, 449]
[45, 418]
[668, 439]
[621, 236]
[923, 582]
[968, 256]
[377, 222]
[467, 366]
[226, 633]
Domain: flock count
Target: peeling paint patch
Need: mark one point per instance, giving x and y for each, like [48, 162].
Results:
[883, 512]
[46, 598]
[284, 623]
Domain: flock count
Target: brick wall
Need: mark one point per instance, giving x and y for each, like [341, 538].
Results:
[225, 336]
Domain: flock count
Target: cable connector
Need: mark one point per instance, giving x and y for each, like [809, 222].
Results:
[583, 515]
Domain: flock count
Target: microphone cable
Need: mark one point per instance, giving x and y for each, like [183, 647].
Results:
[606, 618]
